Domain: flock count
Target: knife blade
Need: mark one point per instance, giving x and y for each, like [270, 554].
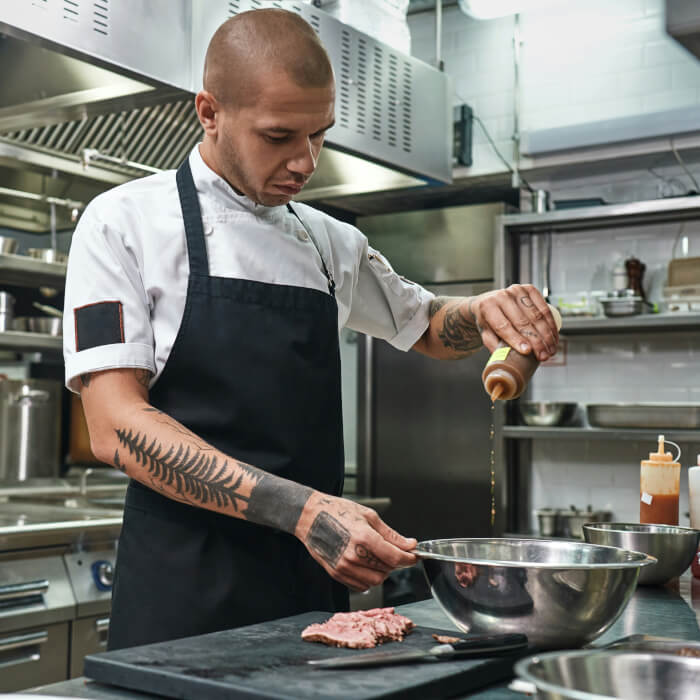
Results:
[482, 645]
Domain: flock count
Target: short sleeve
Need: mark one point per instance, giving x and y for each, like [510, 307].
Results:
[386, 305]
[106, 319]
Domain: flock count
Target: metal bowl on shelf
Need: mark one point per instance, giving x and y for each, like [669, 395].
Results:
[49, 325]
[47, 255]
[603, 675]
[673, 547]
[545, 414]
[622, 302]
[8, 245]
[560, 594]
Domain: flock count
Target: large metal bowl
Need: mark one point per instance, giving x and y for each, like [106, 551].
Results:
[546, 413]
[560, 594]
[604, 675]
[673, 547]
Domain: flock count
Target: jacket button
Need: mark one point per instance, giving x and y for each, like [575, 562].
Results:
[302, 235]
[208, 230]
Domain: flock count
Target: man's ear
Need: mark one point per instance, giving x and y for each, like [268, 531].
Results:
[207, 106]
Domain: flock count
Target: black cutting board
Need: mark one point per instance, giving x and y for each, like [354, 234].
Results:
[269, 661]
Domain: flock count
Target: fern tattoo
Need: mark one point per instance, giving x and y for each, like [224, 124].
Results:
[192, 473]
[201, 480]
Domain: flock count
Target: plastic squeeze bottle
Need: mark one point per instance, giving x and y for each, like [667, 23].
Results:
[659, 486]
[694, 500]
[507, 372]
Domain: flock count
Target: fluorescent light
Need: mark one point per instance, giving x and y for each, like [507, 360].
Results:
[489, 9]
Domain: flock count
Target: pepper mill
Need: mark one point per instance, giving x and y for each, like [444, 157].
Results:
[635, 274]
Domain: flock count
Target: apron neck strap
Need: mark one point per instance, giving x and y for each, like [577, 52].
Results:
[192, 216]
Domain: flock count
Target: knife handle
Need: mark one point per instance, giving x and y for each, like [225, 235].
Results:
[486, 642]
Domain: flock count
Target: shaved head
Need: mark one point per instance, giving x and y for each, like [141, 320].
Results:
[259, 43]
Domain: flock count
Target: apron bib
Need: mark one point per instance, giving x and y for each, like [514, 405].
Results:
[254, 371]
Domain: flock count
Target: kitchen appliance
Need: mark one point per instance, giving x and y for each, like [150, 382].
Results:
[424, 427]
[545, 414]
[55, 597]
[672, 547]
[546, 589]
[570, 522]
[270, 660]
[644, 415]
[30, 428]
[605, 675]
[7, 311]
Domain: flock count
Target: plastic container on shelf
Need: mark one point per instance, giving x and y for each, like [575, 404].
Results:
[507, 372]
[694, 502]
[659, 486]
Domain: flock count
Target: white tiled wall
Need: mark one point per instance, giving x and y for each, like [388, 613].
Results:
[582, 61]
[604, 475]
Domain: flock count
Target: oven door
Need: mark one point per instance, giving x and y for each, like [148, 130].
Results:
[88, 636]
[33, 656]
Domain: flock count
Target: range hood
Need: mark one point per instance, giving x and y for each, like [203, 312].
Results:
[683, 23]
[91, 98]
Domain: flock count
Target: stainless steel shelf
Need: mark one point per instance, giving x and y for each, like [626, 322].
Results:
[624, 214]
[30, 272]
[19, 341]
[671, 321]
[523, 432]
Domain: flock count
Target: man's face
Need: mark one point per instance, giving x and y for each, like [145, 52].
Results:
[269, 148]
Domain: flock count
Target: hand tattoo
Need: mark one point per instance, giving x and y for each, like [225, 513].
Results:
[328, 538]
[526, 301]
[370, 560]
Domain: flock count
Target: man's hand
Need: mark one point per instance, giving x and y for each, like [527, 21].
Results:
[518, 315]
[351, 542]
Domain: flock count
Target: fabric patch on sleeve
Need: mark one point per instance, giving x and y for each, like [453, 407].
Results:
[98, 324]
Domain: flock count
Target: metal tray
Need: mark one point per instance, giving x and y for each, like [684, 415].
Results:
[644, 415]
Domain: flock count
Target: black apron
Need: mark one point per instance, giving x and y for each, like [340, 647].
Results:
[254, 371]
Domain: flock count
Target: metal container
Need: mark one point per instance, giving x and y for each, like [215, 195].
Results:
[39, 324]
[560, 594]
[622, 302]
[47, 255]
[644, 415]
[30, 429]
[602, 675]
[673, 547]
[571, 522]
[545, 414]
[548, 521]
[8, 245]
[7, 311]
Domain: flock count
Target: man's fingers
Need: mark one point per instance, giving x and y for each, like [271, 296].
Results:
[531, 303]
[390, 535]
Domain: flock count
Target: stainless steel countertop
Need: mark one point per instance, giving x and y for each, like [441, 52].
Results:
[669, 611]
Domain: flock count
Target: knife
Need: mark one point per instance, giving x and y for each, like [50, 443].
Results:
[483, 645]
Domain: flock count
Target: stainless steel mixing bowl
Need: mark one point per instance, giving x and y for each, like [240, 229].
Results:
[673, 547]
[560, 594]
[545, 414]
[602, 675]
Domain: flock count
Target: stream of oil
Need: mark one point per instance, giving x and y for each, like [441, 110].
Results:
[492, 465]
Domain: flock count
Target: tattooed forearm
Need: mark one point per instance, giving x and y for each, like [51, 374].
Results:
[328, 538]
[165, 419]
[117, 462]
[459, 333]
[188, 474]
[436, 304]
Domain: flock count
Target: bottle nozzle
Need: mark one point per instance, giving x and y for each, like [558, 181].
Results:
[661, 444]
[498, 390]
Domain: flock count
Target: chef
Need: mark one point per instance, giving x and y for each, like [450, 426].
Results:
[203, 309]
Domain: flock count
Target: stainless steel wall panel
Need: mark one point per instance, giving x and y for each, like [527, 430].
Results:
[390, 108]
[147, 38]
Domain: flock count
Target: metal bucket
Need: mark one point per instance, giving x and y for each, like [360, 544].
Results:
[30, 429]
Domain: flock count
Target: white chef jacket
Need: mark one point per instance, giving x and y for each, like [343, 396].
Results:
[129, 246]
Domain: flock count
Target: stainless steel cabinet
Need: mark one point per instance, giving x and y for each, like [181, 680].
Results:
[88, 636]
